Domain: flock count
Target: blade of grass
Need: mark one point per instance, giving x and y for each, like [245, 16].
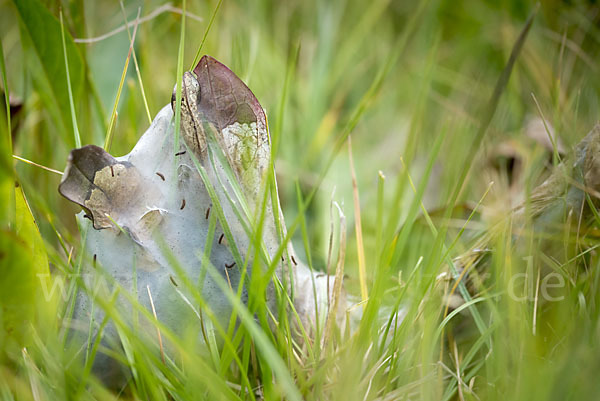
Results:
[7, 169]
[490, 108]
[555, 156]
[178, 86]
[113, 116]
[337, 284]
[306, 243]
[69, 89]
[455, 312]
[277, 133]
[212, 19]
[37, 165]
[135, 62]
[160, 342]
[362, 272]
[6, 99]
[379, 218]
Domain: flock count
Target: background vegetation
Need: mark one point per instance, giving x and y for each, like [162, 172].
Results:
[407, 80]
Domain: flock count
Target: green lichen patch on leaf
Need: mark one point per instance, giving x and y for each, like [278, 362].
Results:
[216, 102]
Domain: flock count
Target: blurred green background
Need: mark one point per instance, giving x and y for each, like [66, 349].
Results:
[400, 74]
